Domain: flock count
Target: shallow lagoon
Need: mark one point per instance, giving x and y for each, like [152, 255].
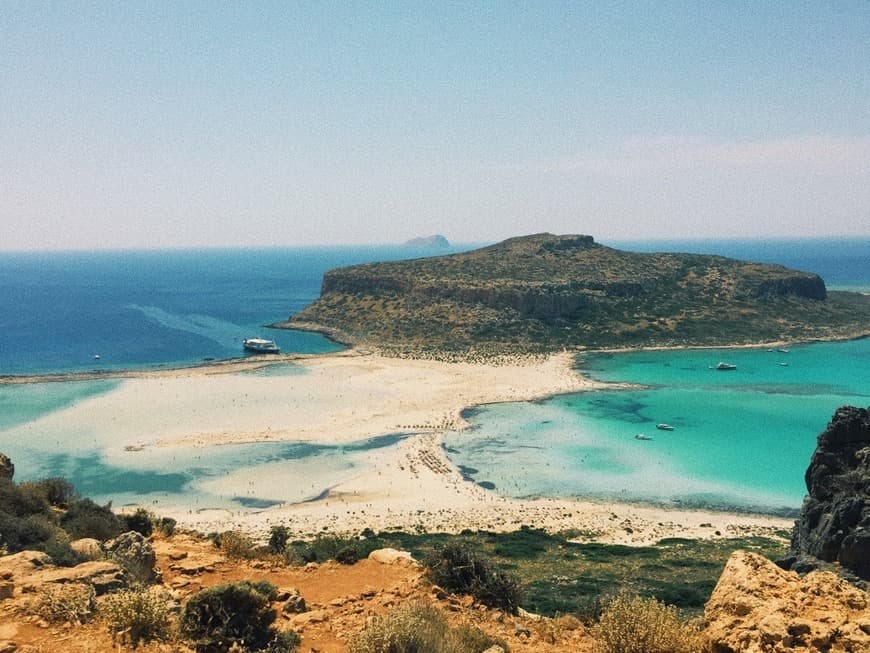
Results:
[741, 439]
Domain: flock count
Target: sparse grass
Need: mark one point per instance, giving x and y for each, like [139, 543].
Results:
[558, 576]
[73, 603]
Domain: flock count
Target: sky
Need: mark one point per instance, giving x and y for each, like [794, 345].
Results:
[198, 124]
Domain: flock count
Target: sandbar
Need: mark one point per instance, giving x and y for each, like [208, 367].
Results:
[351, 396]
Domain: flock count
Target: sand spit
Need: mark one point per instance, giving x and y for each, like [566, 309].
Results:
[352, 396]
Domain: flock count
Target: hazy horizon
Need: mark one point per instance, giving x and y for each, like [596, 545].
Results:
[193, 125]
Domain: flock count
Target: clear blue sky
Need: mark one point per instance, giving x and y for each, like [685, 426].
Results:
[137, 124]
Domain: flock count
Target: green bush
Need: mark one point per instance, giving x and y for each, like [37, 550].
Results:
[633, 624]
[239, 613]
[140, 521]
[20, 501]
[58, 492]
[419, 628]
[84, 518]
[457, 568]
[166, 525]
[136, 615]
[19, 533]
[279, 536]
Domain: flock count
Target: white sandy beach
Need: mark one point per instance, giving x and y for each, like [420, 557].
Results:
[348, 397]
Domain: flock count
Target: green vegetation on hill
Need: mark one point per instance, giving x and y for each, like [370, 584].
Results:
[543, 293]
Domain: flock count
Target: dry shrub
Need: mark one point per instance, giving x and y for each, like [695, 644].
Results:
[136, 615]
[73, 603]
[633, 624]
[237, 545]
[419, 628]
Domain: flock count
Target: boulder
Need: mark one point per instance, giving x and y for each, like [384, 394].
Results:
[7, 469]
[23, 563]
[834, 524]
[294, 603]
[392, 557]
[103, 576]
[757, 606]
[135, 554]
[88, 548]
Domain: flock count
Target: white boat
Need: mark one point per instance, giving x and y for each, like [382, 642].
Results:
[642, 436]
[664, 427]
[726, 366]
[260, 346]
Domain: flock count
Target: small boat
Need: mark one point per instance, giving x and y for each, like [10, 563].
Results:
[664, 427]
[725, 366]
[784, 351]
[260, 346]
[783, 364]
[642, 436]
[96, 357]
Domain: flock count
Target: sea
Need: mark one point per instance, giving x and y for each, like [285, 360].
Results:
[741, 439]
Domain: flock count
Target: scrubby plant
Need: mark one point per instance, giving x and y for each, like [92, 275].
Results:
[279, 536]
[346, 550]
[68, 603]
[166, 526]
[236, 544]
[419, 628]
[140, 521]
[239, 613]
[84, 518]
[458, 568]
[57, 492]
[135, 615]
[634, 624]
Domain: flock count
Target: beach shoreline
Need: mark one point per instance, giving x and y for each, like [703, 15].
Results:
[348, 396]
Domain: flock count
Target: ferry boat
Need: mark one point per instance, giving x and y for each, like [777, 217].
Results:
[260, 346]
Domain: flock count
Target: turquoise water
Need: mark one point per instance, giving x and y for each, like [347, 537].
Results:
[741, 439]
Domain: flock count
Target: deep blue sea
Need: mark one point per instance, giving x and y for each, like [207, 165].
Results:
[741, 439]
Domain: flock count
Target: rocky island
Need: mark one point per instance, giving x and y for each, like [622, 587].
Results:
[545, 293]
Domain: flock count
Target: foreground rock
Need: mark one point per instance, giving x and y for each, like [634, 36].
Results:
[834, 524]
[756, 606]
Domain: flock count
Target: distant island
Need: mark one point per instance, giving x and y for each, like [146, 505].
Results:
[545, 293]
[429, 242]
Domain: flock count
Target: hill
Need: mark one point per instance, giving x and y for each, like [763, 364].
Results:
[431, 242]
[545, 292]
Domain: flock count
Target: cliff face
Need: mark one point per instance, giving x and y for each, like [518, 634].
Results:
[548, 292]
[834, 524]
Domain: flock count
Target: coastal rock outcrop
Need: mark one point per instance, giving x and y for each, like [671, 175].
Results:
[834, 524]
[756, 606]
[546, 292]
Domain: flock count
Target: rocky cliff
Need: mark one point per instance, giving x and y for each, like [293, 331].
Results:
[834, 524]
[546, 292]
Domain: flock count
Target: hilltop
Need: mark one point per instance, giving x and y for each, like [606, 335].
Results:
[546, 292]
